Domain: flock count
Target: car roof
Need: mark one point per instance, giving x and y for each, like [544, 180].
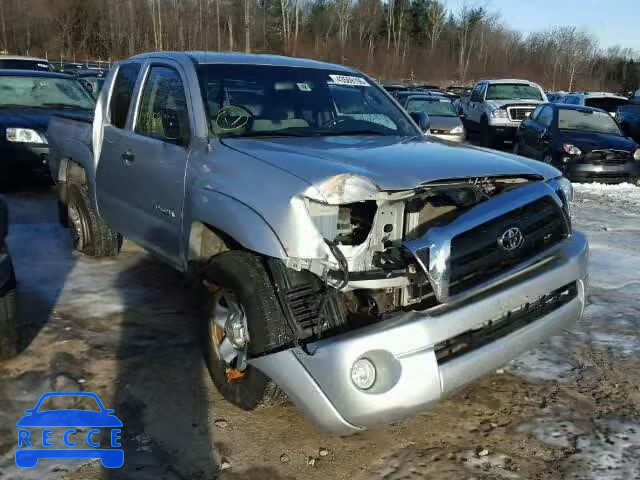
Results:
[599, 95]
[19, 57]
[238, 58]
[510, 80]
[33, 73]
[570, 106]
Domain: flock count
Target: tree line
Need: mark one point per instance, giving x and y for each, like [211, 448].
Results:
[416, 40]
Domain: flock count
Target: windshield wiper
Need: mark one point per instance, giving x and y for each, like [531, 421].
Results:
[65, 105]
[271, 134]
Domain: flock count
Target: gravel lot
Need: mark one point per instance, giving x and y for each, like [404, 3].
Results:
[125, 328]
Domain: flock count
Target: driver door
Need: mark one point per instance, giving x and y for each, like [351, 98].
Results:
[156, 159]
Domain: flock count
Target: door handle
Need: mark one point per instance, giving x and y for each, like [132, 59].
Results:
[127, 158]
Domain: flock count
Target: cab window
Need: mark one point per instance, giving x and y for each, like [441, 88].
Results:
[122, 92]
[163, 112]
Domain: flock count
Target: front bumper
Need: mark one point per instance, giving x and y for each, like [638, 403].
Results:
[506, 131]
[24, 157]
[409, 377]
[578, 171]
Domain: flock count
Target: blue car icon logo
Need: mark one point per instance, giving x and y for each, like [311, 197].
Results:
[36, 438]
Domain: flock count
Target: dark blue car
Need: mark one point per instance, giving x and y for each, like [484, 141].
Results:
[28, 456]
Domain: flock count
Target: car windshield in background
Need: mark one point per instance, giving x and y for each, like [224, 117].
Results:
[262, 100]
[608, 104]
[16, 64]
[513, 91]
[587, 121]
[43, 92]
[433, 107]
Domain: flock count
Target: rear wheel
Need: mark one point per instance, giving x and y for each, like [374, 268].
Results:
[91, 235]
[244, 318]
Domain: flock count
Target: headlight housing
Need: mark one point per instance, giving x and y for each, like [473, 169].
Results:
[636, 155]
[25, 135]
[571, 149]
[499, 113]
[457, 130]
[344, 188]
[563, 185]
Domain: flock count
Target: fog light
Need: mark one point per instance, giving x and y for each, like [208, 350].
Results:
[363, 374]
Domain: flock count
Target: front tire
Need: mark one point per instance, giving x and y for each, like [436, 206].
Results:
[91, 235]
[486, 137]
[244, 319]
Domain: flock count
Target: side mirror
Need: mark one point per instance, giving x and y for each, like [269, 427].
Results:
[422, 120]
[171, 126]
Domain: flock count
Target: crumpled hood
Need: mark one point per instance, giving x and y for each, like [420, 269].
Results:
[393, 163]
[587, 141]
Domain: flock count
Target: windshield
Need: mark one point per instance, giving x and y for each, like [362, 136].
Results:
[17, 64]
[587, 121]
[513, 91]
[43, 92]
[263, 100]
[434, 107]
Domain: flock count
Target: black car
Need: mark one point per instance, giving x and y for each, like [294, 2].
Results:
[9, 328]
[28, 99]
[585, 143]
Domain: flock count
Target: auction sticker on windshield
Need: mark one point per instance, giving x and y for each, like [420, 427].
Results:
[47, 432]
[349, 80]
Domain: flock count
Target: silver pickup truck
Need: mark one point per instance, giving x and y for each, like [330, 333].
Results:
[352, 263]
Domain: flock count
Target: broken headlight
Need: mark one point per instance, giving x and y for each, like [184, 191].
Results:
[347, 224]
[563, 186]
[344, 188]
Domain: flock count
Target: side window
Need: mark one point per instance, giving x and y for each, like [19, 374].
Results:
[545, 118]
[122, 93]
[476, 95]
[163, 112]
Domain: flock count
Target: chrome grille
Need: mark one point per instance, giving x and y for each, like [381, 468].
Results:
[518, 114]
[476, 255]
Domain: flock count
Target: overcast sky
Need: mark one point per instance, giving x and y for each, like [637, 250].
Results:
[613, 22]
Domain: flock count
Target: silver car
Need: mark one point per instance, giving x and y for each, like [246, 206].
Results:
[362, 268]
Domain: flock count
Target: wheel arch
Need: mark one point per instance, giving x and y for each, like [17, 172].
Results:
[216, 223]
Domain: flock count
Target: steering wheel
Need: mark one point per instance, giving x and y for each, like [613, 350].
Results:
[233, 117]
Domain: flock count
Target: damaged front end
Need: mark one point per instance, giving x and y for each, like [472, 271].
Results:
[385, 252]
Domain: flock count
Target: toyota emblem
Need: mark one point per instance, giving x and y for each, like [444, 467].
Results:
[511, 239]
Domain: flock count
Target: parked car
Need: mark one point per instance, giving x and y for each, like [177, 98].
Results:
[635, 98]
[395, 87]
[443, 119]
[28, 99]
[602, 100]
[351, 261]
[585, 143]
[628, 118]
[495, 108]
[9, 325]
[92, 79]
[14, 62]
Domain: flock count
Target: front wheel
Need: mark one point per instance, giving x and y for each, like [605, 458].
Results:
[486, 138]
[244, 319]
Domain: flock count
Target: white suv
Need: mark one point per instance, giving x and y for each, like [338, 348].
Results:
[496, 108]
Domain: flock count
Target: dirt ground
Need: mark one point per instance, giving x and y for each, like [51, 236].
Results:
[125, 329]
